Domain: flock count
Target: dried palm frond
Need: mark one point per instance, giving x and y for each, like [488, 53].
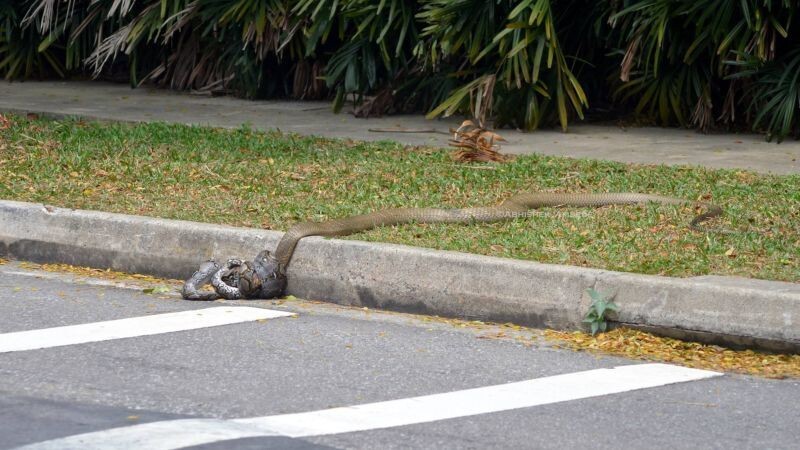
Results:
[308, 82]
[475, 143]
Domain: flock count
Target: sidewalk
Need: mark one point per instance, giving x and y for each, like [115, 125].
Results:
[94, 100]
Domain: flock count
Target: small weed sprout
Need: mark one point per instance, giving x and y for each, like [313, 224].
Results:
[597, 316]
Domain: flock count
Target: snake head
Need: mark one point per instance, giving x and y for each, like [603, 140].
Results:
[262, 278]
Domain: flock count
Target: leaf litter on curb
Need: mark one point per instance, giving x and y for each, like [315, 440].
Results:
[106, 274]
[641, 345]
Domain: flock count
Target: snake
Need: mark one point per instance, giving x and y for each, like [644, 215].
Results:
[265, 276]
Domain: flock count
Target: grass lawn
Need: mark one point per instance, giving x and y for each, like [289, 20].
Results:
[273, 180]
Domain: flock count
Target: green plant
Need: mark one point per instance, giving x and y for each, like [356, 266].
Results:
[21, 54]
[597, 316]
[517, 66]
[705, 64]
[775, 93]
[690, 63]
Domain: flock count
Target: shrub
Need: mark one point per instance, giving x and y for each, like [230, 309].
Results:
[704, 64]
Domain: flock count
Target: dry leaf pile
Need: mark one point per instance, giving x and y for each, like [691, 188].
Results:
[640, 345]
[106, 274]
[475, 143]
[5, 122]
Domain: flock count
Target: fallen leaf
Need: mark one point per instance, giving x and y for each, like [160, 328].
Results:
[157, 290]
[641, 345]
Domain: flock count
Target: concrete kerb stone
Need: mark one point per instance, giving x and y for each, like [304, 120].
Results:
[444, 283]
[164, 248]
[724, 310]
[718, 309]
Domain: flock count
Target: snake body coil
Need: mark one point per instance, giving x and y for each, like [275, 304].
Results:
[266, 275]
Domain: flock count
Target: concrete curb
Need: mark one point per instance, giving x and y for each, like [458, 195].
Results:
[726, 310]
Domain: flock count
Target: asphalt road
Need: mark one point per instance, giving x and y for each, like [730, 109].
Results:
[328, 356]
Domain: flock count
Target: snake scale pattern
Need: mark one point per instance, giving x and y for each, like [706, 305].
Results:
[265, 276]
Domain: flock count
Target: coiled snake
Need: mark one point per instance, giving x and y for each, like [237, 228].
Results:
[265, 276]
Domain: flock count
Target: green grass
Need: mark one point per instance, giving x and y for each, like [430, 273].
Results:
[273, 180]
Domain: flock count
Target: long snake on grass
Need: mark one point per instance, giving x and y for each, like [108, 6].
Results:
[265, 276]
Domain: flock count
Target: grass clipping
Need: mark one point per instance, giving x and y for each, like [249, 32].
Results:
[641, 345]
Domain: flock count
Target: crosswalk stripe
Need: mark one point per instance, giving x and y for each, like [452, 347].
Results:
[540, 391]
[134, 326]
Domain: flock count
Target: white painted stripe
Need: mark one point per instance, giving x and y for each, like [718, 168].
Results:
[134, 326]
[371, 416]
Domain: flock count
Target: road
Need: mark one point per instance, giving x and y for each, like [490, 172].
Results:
[244, 385]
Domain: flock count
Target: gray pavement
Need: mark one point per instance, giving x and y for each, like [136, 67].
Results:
[336, 356]
[646, 145]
